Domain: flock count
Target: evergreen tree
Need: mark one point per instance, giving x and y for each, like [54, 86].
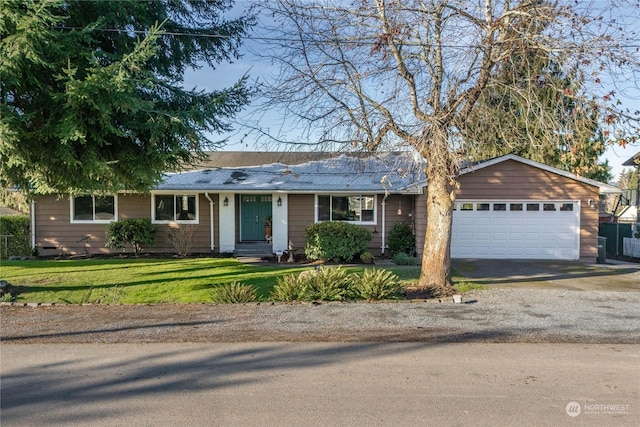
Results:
[526, 111]
[92, 96]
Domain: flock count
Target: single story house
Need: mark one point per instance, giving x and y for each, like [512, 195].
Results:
[259, 203]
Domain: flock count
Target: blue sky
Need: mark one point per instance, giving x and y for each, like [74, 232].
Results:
[226, 75]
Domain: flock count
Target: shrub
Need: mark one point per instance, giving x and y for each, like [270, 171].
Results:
[324, 284]
[374, 284]
[401, 239]
[335, 240]
[133, 231]
[366, 257]
[14, 240]
[234, 293]
[403, 258]
[8, 292]
[181, 238]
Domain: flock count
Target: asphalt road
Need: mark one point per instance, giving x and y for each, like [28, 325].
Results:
[320, 384]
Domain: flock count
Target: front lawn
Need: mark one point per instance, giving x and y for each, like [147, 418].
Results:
[138, 281]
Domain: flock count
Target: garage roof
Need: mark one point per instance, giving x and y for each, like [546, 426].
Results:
[604, 188]
[634, 161]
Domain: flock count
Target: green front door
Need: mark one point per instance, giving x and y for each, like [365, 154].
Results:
[254, 209]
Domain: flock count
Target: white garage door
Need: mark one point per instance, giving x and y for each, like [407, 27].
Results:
[516, 229]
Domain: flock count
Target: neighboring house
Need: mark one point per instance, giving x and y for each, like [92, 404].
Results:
[507, 207]
[6, 211]
[634, 162]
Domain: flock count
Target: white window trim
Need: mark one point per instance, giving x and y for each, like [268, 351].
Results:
[175, 221]
[375, 206]
[93, 221]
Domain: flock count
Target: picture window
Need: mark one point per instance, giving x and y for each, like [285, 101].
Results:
[359, 208]
[93, 208]
[175, 208]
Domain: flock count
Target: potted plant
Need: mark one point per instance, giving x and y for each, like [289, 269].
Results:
[366, 257]
[268, 228]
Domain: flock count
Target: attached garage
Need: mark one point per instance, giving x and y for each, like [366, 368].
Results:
[523, 229]
[515, 208]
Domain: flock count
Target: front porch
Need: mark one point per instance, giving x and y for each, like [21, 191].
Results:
[247, 220]
[257, 249]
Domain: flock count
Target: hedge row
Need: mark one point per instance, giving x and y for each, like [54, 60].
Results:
[14, 236]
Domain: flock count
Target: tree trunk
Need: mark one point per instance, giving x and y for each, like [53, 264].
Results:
[436, 255]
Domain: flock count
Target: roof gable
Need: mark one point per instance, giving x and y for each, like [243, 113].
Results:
[634, 161]
[604, 188]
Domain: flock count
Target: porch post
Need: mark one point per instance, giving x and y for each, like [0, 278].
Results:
[212, 242]
[280, 221]
[227, 220]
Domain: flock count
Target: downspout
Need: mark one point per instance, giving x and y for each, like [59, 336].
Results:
[384, 221]
[212, 244]
[33, 225]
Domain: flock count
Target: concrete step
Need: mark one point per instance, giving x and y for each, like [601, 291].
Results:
[253, 249]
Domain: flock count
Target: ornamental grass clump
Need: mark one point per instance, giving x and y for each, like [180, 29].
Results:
[289, 288]
[234, 293]
[329, 284]
[375, 284]
[323, 284]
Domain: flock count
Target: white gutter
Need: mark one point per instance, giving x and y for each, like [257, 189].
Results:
[212, 245]
[33, 225]
[384, 220]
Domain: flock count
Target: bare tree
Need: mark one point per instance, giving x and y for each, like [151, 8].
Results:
[408, 74]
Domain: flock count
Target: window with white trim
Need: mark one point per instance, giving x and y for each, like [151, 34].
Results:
[93, 208]
[358, 208]
[181, 208]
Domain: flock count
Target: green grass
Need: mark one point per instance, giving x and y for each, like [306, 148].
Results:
[133, 281]
[461, 284]
[139, 281]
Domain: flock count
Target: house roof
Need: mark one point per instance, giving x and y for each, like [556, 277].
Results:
[235, 159]
[634, 161]
[393, 172]
[604, 188]
[6, 211]
[381, 172]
